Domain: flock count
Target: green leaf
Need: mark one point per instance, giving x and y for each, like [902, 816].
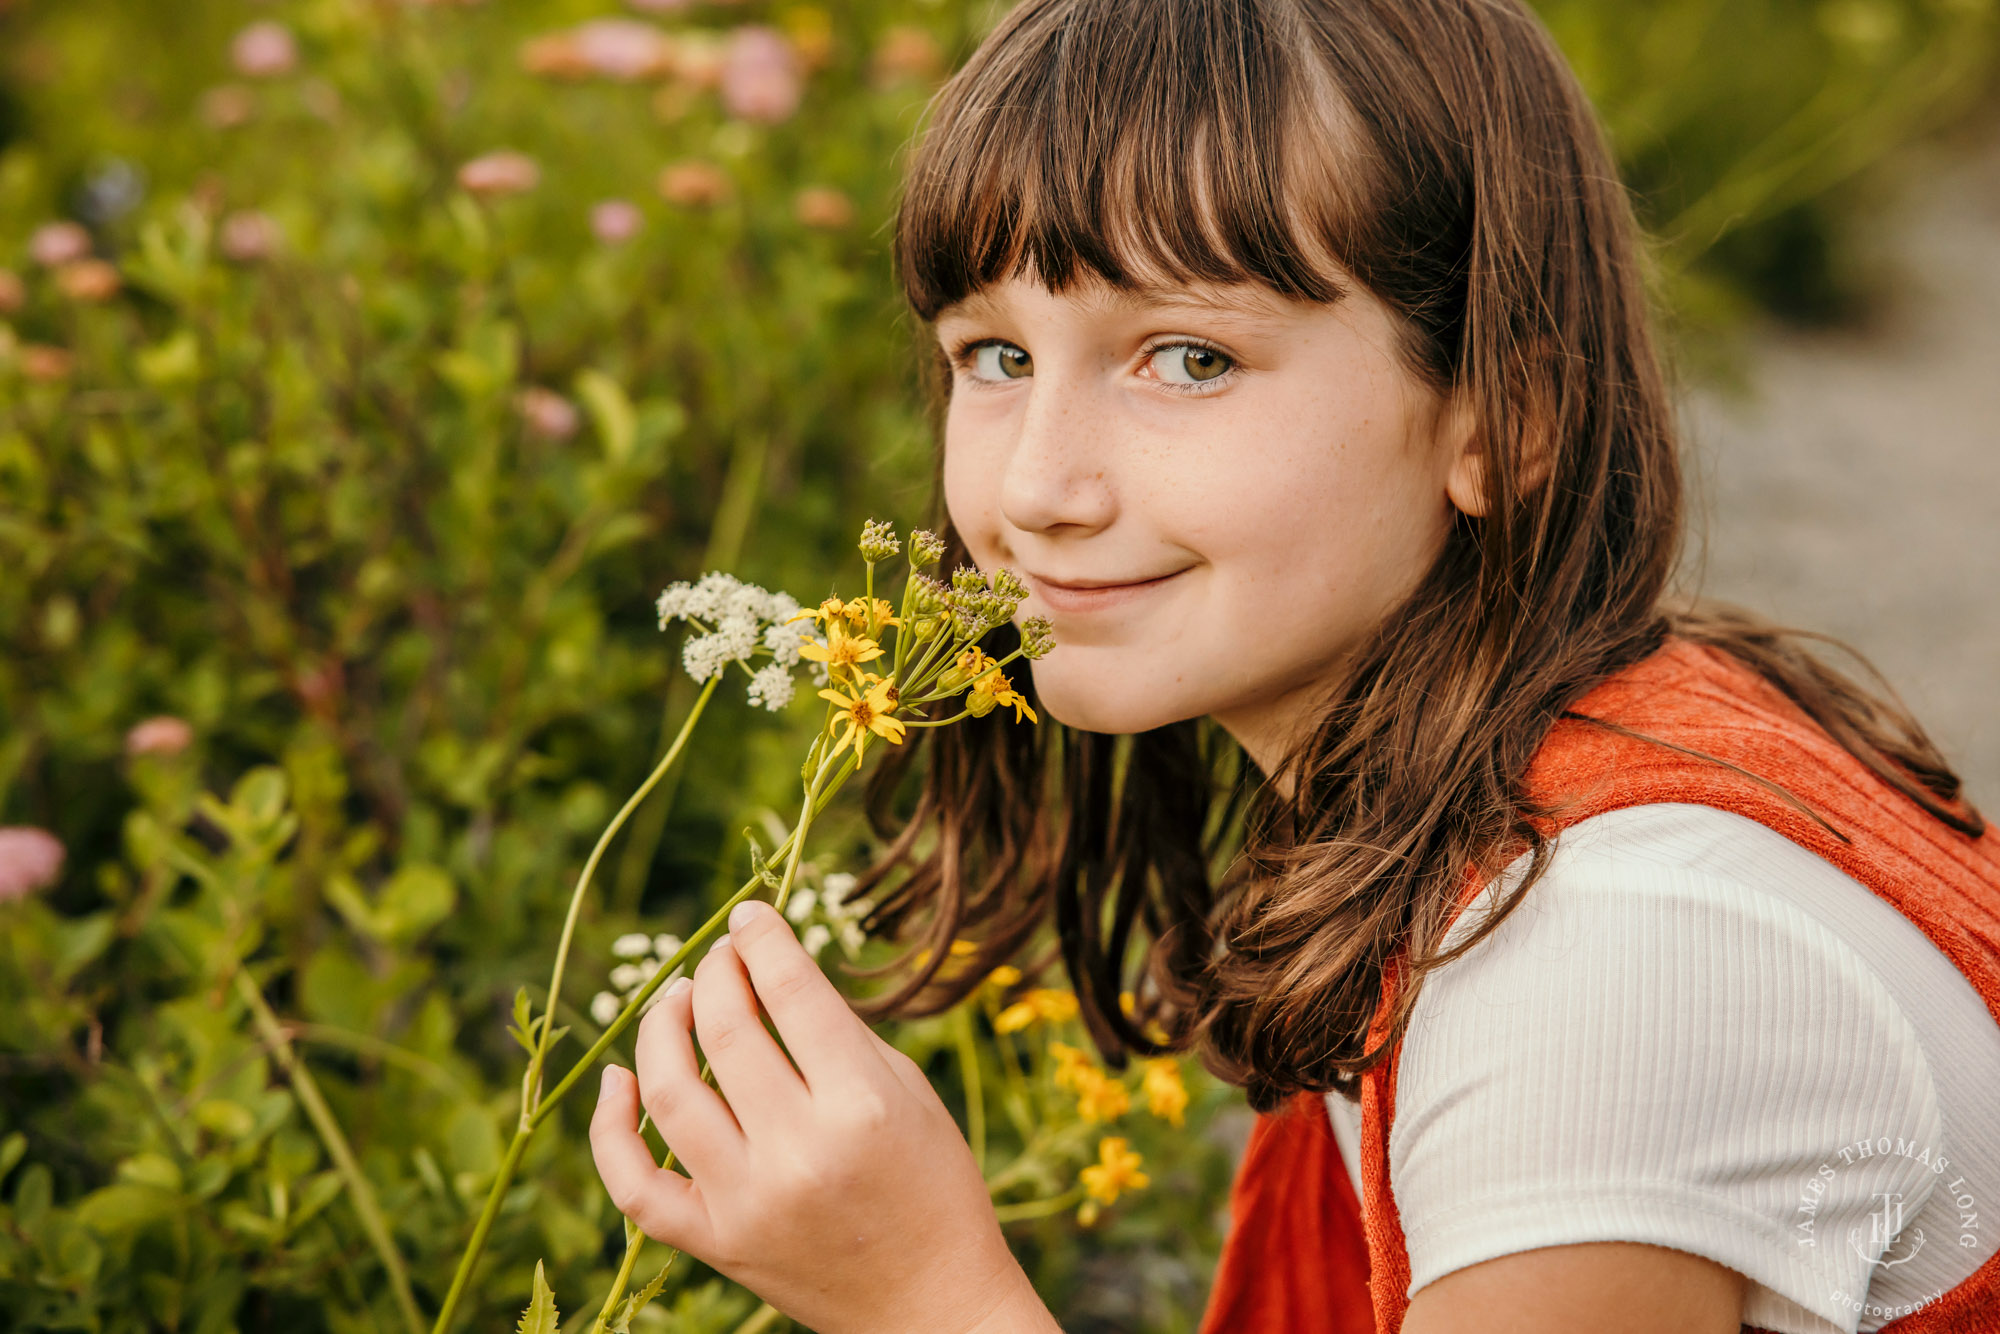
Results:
[628, 1310]
[540, 1317]
[11, 1150]
[610, 412]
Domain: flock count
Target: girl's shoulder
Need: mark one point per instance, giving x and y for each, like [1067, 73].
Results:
[1682, 1018]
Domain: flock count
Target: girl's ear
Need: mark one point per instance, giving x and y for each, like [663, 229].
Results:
[1465, 444]
[1462, 433]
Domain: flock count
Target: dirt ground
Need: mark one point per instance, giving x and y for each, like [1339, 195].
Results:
[1855, 489]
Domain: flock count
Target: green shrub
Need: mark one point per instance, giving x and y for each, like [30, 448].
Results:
[363, 475]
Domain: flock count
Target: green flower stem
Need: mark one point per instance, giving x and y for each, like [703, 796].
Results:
[823, 790]
[322, 1118]
[531, 1084]
[797, 839]
[760, 1320]
[975, 1100]
[634, 1240]
[1055, 1204]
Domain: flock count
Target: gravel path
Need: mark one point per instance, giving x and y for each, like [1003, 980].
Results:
[1856, 490]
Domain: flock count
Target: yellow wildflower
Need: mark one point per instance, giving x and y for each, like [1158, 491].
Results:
[1099, 1097]
[873, 616]
[842, 651]
[1073, 1067]
[1166, 1095]
[996, 689]
[1005, 976]
[1127, 1003]
[825, 613]
[1042, 1003]
[968, 666]
[865, 714]
[961, 948]
[1116, 1170]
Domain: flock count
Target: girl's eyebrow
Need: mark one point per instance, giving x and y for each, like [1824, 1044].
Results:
[1248, 299]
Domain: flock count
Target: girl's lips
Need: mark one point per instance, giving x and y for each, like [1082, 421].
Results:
[1072, 599]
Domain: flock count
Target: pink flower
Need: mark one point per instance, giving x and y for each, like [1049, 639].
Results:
[41, 362]
[57, 243]
[761, 79]
[616, 221]
[88, 280]
[228, 105]
[547, 414]
[823, 207]
[164, 735]
[624, 49]
[659, 6]
[30, 859]
[13, 294]
[249, 236]
[500, 174]
[264, 50]
[694, 184]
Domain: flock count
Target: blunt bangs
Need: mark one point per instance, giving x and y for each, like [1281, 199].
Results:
[1132, 140]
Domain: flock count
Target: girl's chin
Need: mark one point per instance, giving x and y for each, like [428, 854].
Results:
[1112, 703]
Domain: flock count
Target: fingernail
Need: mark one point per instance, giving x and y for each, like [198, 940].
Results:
[680, 984]
[740, 915]
[604, 1083]
[719, 942]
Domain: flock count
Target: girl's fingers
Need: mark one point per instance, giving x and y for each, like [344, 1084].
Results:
[665, 1205]
[754, 1074]
[833, 1047]
[692, 1118]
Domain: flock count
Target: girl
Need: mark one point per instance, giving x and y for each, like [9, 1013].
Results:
[1295, 350]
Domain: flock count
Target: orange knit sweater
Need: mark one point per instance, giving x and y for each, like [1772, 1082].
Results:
[1305, 1257]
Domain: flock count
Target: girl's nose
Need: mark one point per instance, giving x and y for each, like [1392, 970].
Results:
[1059, 474]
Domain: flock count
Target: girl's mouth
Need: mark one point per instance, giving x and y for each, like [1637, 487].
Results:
[1078, 596]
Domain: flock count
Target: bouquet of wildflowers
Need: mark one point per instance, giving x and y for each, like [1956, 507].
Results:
[882, 667]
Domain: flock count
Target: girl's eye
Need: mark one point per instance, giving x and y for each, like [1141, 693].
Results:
[1190, 366]
[1001, 361]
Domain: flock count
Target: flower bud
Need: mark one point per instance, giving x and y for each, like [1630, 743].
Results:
[30, 859]
[878, 541]
[616, 221]
[694, 184]
[1038, 636]
[965, 579]
[1008, 585]
[980, 703]
[761, 78]
[928, 597]
[926, 547]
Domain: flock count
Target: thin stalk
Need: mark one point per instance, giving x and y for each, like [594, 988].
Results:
[975, 1100]
[797, 839]
[760, 1320]
[1055, 1204]
[323, 1122]
[634, 1239]
[531, 1085]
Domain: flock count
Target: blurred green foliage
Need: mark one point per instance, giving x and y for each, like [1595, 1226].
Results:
[368, 473]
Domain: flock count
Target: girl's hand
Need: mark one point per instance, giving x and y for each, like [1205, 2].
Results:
[839, 1191]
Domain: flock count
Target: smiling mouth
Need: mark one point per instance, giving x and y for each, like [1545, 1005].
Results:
[1088, 595]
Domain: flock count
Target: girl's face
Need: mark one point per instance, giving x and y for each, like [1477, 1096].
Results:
[1212, 492]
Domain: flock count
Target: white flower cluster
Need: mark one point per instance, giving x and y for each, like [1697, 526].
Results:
[827, 915]
[643, 956]
[735, 620]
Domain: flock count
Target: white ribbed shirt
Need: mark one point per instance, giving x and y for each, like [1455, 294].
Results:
[1686, 1034]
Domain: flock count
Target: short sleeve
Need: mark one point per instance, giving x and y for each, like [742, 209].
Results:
[1645, 1053]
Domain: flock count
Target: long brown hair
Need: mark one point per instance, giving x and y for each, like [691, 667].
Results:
[1442, 154]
